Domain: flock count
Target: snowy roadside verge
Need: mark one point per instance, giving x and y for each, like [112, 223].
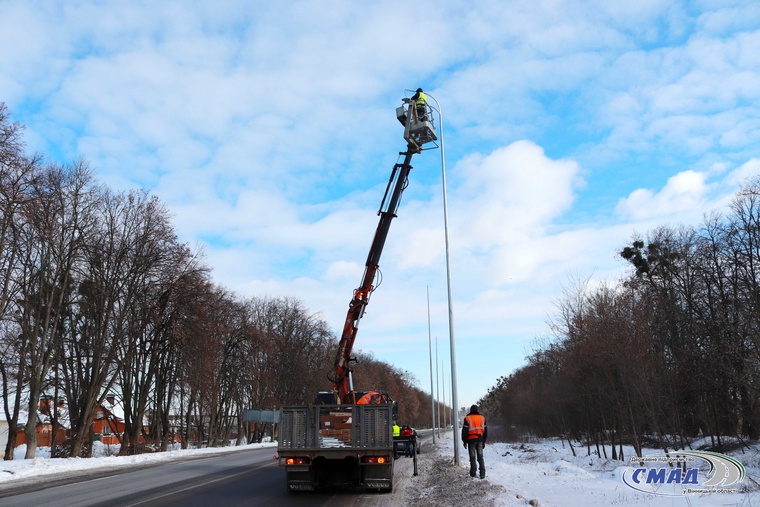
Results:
[546, 473]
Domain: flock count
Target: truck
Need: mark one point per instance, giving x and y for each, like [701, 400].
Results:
[346, 438]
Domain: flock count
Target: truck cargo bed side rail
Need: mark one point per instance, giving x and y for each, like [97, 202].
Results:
[336, 426]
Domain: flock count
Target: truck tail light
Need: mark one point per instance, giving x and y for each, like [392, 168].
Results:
[378, 460]
[296, 461]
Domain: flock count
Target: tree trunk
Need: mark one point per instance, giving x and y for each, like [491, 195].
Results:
[12, 419]
[30, 430]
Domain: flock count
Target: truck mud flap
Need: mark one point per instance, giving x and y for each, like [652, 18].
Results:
[381, 485]
[378, 478]
[300, 481]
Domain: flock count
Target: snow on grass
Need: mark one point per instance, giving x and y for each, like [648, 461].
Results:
[545, 473]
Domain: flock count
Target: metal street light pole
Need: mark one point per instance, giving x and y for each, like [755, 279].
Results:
[454, 396]
[445, 400]
[438, 388]
[430, 350]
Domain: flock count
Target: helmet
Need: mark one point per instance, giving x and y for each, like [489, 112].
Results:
[419, 90]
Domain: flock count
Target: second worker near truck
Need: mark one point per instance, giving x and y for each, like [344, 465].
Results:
[474, 436]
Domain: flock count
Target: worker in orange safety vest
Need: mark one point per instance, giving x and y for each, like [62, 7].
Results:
[370, 398]
[474, 436]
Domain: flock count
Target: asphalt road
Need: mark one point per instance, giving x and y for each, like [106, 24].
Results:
[251, 478]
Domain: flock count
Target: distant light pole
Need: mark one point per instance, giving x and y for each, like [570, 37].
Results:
[438, 389]
[446, 412]
[454, 396]
[430, 350]
[443, 396]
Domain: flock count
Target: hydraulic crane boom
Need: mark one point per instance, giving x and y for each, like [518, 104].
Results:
[344, 437]
[418, 131]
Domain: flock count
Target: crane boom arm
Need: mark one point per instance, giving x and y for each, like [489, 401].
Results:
[418, 131]
[396, 185]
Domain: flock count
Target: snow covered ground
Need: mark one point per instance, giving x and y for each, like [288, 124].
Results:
[546, 474]
[541, 473]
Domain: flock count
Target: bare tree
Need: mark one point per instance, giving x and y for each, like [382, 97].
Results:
[147, 374]
[56, 220]
[119, 260]
[17, 174]
[293, 346]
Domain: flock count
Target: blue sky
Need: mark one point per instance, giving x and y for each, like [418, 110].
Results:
[269, 130]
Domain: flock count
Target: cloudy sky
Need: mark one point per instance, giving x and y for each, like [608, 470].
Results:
[269, 130]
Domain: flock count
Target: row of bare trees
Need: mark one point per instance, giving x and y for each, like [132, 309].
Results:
[414, 405]
[666, 355]
[98, 296]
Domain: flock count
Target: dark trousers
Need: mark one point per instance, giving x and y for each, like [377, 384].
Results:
[476, 458]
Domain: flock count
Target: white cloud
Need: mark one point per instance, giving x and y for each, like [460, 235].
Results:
[685, 99]
[683, 192]
[514, 192]
[740, 175]
[726, 18]
[687, 195]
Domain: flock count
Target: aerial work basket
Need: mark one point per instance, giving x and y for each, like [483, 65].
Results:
[418, 124]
